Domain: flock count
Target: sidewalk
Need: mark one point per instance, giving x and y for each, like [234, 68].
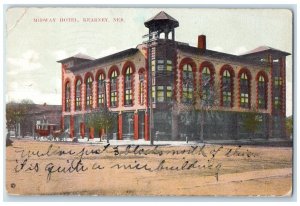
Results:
[254, 142]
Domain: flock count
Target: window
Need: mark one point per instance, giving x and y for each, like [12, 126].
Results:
[262, 94]
[169, 94]
[160, 65]
[78, 95]
[277, 103]
[68, 97]
[153, 94]
[153, 65]
[160, 94]
[277, 88]
[142, 96]
[101, 90]
[244, 81]
[163, 65]
[169, 66]
[226, 89]
[89, 93]
[164, 93]
[227, 99]
[113, 88]
[244, 100]
[277, 81]
[205, 76]
[187, 84]
[128, 88]
[207, 87]
[244, 91]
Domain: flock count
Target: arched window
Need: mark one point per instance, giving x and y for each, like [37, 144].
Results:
[262, 92]
[113, 89]
[207, 86]
[101, 90]
[68, 97]
[187, 84]
[226, 89]
[162, 35]
[142, 88]
[244, 91]
[89, 93]
[128, 88]
[78, 95]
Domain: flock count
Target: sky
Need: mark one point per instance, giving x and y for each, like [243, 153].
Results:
[33, 46]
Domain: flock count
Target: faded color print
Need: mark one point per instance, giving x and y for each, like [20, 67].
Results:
[136, 101]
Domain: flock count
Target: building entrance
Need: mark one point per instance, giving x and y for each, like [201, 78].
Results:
[128, 125]
[141, 124]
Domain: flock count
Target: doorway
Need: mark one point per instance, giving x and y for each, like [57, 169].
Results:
[141, 124]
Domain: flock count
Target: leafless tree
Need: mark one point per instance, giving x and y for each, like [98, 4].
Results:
[206, 100]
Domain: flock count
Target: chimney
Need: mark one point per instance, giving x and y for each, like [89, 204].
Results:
[202, 42]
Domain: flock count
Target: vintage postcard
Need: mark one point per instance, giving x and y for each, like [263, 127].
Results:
[149, 101]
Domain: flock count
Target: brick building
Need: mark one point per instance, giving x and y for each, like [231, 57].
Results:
[184, 82]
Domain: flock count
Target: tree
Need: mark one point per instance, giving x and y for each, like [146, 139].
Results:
[205, 102]
[18, 114]
[12, 115]
[289, 126]
[101, 118]
[209, 101]
[252, 120]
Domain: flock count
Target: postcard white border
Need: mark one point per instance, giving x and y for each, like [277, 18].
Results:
[291, 4]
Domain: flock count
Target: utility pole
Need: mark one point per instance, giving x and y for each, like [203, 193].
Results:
[105, 100]
[150, 103]
[150, 106]
[105, 107]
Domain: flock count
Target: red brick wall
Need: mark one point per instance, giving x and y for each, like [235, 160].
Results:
[120, 121]
[136, 126]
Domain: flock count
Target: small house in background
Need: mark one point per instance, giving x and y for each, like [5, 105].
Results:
[41, 117]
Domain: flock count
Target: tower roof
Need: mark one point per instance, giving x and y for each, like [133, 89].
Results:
[162, 18]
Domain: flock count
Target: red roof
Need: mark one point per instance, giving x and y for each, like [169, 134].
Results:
[262, 49]
[162, 17]
[78, 56]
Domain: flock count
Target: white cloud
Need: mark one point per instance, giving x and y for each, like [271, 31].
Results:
[217, 48]
[240, 50]
[60, 54]
[13, 86]
[36, 96]
[29, 61]
[81, 50]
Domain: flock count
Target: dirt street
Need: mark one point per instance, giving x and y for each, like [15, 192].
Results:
[70, 168]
